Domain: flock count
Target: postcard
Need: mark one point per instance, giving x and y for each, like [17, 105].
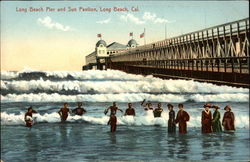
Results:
[124, 81]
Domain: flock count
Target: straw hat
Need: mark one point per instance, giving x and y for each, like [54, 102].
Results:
[228, 106]
[207, 105]
[216, 107]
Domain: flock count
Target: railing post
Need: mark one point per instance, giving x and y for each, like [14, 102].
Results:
[232, 60]
[225, 65]
[218, 65]
[240, 65]
[212, 65]
[197, 65]
[207, 62]
[184, 65]
[192, 65]
[201, 64]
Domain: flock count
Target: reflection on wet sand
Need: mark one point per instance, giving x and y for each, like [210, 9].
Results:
[183, 147]
[112, 138]
[157, 139]
[64, 133]
[171, 147]
[214, 144]
[32, 148]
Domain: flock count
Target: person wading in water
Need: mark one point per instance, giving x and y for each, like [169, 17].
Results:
[79, 110]
[64, 112]
[112, 109]
[182, 118]
[28, 117]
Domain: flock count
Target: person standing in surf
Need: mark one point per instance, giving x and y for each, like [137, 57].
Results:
[112, 122]
[182, 118]
[64, 112]
[216, 124]
[228, 119]
[157, 112]
[79, 110]
[171, 120]
[206, 119]
[112, 109]
[130, 110]
[148, 106]
[28, 117]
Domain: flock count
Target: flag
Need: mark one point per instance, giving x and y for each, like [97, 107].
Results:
[142, 35]
[99, 35]
[131, 34]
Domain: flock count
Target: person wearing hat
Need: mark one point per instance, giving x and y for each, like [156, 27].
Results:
[206, 119]
[228, 119]
[182, 118]
[171, 120]
[216, 124]
[28, 117]
[79, 110]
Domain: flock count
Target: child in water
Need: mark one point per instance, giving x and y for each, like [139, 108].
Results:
[112, 122]
[28, 117]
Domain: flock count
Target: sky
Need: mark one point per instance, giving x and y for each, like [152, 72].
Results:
[58, 35]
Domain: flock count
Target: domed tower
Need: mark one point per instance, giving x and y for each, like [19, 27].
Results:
[101, 49]
[132, 43]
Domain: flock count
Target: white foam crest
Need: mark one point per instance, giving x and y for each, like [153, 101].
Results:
[83, 75]
[4, 85]
[220, 98]
[146, 118]
[8, 75]
[123, 97]
[12, 119]
[146, 86]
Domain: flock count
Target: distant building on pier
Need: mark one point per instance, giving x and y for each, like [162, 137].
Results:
[97, 59]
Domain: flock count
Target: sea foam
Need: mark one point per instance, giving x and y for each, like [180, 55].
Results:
[147, 118]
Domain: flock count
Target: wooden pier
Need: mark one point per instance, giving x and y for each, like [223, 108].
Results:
[218, 54]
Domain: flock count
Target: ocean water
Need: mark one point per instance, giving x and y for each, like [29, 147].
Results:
[139, 138]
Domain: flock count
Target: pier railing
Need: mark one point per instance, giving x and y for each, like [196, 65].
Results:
[226, 40]
[229, 65]
[219, 54]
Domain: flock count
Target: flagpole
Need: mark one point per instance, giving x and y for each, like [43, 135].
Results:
[144, 36]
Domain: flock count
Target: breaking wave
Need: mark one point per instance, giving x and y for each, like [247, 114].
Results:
[125, 97]
[28, 74]
[242, 120]
[108, 86]
[96, 87]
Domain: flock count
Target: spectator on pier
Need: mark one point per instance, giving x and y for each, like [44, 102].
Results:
[206, 119]
[228, 119]
[130, 110]
[79, 110]
[171, 120]
[216, 124]
[182, 118]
